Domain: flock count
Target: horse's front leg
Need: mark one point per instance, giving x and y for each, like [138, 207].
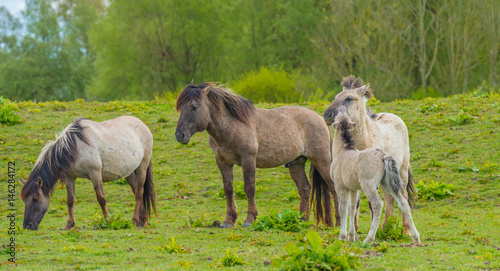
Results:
[227, 181]
[343, 200]
[353, 199]
[70, 191]
[96, 179]
[248, 167]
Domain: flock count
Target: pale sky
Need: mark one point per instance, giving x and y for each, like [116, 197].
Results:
[14, 6]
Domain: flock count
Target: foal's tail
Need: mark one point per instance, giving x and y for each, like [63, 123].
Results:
[323, 200]
[149, 197]
[392, 174]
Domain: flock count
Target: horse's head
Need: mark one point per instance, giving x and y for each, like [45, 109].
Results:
[353, 98]
[36, 203]
[195, 112]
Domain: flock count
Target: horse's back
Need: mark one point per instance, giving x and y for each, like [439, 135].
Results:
[118, 146]
[393, 137]
[286, 133]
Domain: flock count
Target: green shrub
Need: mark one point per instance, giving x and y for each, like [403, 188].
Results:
[434, 190]
[309, 254]
[393, 230]
[419, 94]
[7, 114]
[173, 247]
[231, 259]
[461, 118]
[112, 223]
[289, 221]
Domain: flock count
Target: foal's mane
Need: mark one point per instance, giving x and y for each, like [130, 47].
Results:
[346, 135]
[351, 82]
[239, 107]
[56, 159]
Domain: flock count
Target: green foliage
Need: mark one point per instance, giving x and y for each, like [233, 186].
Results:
[433, 190]
[7, 114]
[232, 259]
[393, 230]
[267, 85]
[201, 221]
[173, 247]
[309, 254]
[111, 223]
[461, 118]
[420, 94]
[289, 221]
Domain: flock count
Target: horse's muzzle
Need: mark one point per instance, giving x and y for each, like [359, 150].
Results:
[329, 115]
[181, 137]
[30, 226]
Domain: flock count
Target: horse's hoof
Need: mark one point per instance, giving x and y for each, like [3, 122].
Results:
[225, 225]
[368, 241]
[246, 225]
[352, 238]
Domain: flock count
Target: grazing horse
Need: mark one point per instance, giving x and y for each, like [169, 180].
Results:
[99, 151]
[385, 131]
[250, 137]
[354, 170]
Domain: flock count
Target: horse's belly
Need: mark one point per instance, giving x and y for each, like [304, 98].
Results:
[118, 164]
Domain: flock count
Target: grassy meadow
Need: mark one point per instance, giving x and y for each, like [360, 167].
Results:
[455, 157]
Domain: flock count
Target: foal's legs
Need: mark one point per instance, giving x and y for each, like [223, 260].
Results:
[227, 180]
[96, 178]
[248, 166]
[404, 178]
[343, 199]
[353, 199]
[70, 191]
[376, 204]
[405, 210]
[298, 174]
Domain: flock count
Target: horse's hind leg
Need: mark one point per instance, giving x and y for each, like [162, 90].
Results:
[132, 181]
[96, 178]
[248, 166]
[298, 174]
[70, 191]
[227, 181]
[389, 205]
[377, 205]
[140, 217]
[404, 178]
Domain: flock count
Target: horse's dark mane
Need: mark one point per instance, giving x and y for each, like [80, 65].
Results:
[346, 135]
[239, 107]
[55, 159]
[371, 113]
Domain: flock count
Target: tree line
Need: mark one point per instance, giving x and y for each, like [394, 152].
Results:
[280, 50]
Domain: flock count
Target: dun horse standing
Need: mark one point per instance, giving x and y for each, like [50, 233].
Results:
[99, 151]
[385, 131]
[354, 170]
[250, 137]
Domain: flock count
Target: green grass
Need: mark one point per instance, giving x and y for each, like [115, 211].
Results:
[454, 141]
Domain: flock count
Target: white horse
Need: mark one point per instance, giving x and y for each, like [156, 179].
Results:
[385, 131]
[354, 170]
[99, 151]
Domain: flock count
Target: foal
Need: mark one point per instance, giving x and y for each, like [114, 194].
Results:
[353, 170]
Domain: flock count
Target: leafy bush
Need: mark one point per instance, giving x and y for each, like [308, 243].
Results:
[173, 247]
[309, 254]
[202, 221]
[434, 190]
[112, 223]
[289, 221]
[231, 259]
[461, 118]
[7, 114]
[393, 230]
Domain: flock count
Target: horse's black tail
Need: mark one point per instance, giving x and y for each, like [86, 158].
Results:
[410, 188]
[392, 174]
[148, 196]
[321, 198]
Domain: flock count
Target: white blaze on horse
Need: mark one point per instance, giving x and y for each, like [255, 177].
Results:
[250, 137]
[385, 131]
[353, 170]
[99, 151]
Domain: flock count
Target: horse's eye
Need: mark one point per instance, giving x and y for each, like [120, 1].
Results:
[35, 200]
[194, 108]
[348, 99]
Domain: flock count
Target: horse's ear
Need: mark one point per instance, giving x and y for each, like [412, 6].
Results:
[39, 182]
[206, 90]
[365, 91]
[23, 181]
[192, 82]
